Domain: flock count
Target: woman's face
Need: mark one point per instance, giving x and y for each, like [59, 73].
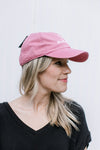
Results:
[50, 79]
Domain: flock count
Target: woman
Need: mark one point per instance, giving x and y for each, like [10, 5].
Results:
[42, 118]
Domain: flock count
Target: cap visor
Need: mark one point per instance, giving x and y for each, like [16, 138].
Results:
[72, 54]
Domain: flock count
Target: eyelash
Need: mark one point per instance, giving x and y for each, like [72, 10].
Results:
[60, 63]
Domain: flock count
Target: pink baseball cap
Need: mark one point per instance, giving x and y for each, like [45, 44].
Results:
[48, 44]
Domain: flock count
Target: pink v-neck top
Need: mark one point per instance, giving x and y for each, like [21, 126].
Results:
[16, 135]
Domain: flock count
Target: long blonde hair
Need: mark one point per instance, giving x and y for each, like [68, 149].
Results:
[58, 110]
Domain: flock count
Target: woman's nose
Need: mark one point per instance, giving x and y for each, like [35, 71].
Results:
[67, 69]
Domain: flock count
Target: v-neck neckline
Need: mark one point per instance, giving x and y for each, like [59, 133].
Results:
[22, 124]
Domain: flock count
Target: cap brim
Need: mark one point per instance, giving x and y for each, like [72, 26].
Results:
[72, 54]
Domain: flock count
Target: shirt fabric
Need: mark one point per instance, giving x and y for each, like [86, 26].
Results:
[16, 135]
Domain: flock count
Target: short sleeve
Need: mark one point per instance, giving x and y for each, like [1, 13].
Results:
[80, 139]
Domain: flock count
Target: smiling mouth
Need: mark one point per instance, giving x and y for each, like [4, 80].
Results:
[64, 80]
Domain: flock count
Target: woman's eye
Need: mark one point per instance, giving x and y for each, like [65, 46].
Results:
[60, 63]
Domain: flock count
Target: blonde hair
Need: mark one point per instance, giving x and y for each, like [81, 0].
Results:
[58, 110]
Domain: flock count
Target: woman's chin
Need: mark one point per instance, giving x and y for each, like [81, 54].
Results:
[61, 90]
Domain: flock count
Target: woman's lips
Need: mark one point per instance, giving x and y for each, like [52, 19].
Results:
[64, 80]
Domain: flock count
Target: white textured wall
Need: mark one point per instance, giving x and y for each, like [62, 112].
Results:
[78, 22]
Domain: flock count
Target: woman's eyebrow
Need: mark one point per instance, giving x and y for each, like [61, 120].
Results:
[57, 59]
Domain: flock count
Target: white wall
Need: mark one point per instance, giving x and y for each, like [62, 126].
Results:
[78, 22]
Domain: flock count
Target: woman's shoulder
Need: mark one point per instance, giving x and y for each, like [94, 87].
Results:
[76, 108]
[73, 105]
